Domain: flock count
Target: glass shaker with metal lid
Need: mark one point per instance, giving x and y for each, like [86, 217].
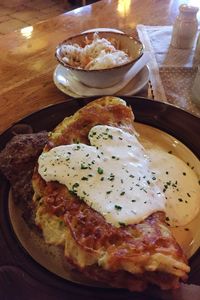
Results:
[185, 27]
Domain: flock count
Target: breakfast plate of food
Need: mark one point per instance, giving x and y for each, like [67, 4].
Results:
[103, 196]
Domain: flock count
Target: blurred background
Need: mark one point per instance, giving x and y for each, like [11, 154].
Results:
[16, 14]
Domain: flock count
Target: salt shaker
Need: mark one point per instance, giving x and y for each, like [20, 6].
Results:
[195, 93]
[185, 27]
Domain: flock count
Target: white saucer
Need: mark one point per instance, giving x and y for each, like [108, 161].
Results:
[61, 75]
[103, 29]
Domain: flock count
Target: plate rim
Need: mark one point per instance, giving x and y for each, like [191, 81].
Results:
[70, 99]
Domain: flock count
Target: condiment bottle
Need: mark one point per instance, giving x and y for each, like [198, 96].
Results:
[185, 27]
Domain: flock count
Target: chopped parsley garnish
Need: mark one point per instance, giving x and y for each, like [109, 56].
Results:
[100, 170]
[122, 193]
[108, 192]
[75, 185]
[112, 177]
[117, 207]
[83, 167]
[122, 224]
[61, 223]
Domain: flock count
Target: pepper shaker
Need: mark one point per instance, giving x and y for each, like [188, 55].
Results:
[185, 27]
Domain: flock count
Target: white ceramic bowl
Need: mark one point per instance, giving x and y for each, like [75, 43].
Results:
[105, 77]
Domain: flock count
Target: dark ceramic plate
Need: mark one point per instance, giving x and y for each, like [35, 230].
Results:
[23, 278]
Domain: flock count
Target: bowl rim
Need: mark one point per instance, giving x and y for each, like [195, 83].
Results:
[59, 59]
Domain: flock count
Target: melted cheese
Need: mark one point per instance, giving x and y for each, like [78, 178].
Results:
[112, 175]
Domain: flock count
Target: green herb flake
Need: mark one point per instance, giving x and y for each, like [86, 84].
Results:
[75, 185]
[117, 207]
[100, 170]
[121, 224]
[83, 167]
[61, 223]
[108, 192]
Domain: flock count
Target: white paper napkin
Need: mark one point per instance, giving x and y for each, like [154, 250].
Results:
[172, 71]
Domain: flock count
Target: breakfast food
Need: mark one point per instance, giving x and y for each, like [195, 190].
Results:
[95, 55]
[95, 196]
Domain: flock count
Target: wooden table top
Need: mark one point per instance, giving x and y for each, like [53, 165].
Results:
[27, 56]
